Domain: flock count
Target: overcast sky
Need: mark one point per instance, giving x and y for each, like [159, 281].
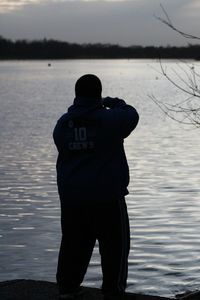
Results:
[121, 22]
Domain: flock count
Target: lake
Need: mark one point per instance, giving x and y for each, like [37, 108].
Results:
[163, 156]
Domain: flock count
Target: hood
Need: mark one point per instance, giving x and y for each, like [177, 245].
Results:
[83, 105]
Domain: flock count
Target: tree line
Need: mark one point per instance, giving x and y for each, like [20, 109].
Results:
[53, 49]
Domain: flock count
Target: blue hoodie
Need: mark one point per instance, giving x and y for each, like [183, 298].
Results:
[89, 137]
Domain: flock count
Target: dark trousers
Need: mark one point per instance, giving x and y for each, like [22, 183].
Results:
[82, 225]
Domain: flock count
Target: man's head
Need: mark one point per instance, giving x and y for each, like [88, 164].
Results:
[88, 85]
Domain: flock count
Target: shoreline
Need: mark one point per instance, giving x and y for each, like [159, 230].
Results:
[22, 289]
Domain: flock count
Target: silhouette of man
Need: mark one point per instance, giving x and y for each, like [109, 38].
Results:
[92, 178]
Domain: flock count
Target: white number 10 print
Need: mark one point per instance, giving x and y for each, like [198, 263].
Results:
[80, 134]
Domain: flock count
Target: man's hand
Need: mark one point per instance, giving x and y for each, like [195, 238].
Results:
[112, 102]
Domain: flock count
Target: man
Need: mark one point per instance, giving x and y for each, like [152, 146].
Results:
[92, 178]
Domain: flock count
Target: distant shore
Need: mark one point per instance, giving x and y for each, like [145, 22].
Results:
[52, 49]
[22, 289]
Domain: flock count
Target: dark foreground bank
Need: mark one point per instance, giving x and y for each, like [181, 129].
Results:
[42, 290]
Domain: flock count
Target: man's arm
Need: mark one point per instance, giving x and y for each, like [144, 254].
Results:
[124, 116]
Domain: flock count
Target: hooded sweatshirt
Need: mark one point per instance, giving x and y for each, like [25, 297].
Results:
[90, 141]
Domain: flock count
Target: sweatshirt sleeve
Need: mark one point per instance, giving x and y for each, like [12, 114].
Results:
[58, 133]
[124, 117]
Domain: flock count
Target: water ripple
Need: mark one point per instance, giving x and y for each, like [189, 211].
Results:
[163, 204]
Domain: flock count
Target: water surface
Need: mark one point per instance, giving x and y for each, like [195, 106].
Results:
[164, 199]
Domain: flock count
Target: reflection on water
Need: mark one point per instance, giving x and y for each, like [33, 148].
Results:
[164, 202]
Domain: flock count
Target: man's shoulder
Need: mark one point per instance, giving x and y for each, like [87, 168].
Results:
[63, 118]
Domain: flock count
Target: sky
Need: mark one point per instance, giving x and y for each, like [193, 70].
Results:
[123, 22]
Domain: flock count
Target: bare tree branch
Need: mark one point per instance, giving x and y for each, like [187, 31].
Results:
[185, 78]
[190, 91]
[169, 23]
[183, 115]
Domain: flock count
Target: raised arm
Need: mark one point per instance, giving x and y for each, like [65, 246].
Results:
[124, 116]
